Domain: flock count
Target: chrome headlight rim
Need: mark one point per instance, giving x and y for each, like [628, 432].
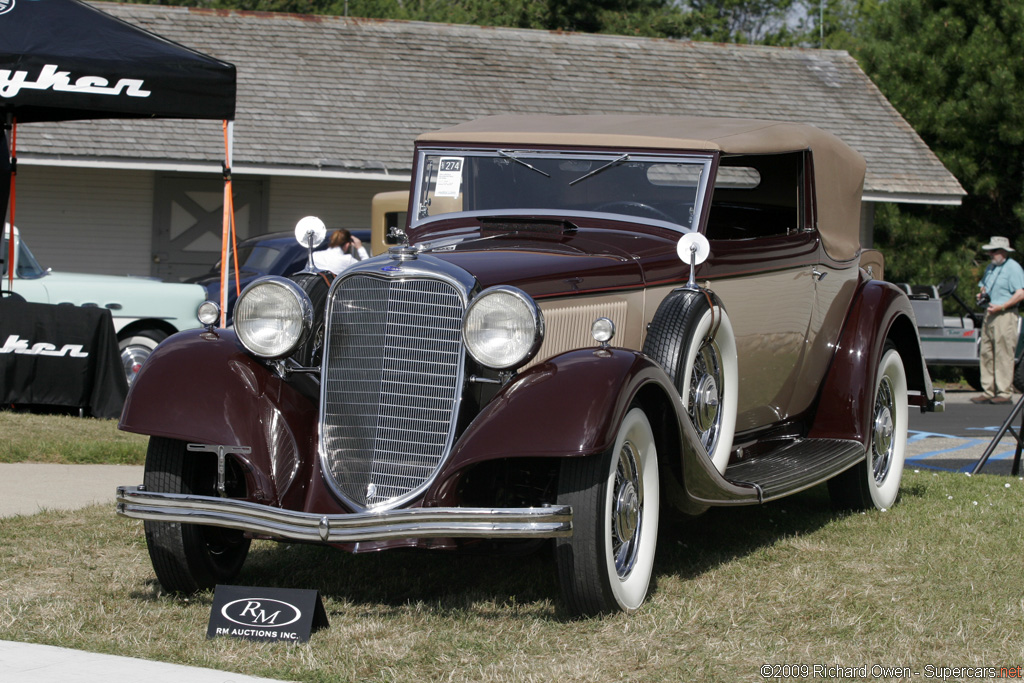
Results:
[304, 311]
[535, 316]
[208, 313]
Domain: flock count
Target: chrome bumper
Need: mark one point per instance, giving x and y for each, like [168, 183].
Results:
[288, 525]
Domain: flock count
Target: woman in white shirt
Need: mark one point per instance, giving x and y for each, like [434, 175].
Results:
[342, 251]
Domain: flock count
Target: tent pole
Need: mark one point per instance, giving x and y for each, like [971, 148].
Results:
[11, 125]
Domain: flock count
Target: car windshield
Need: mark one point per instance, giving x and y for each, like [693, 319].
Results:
[660, 189]
[254, 258]
[28, 267]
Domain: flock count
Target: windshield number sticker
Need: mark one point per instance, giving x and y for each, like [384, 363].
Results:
[449, 177]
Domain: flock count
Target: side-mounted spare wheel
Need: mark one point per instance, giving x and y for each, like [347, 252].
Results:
[316, 286]
[875, 482]
[691, 338]
[190, 557]
[606, 565]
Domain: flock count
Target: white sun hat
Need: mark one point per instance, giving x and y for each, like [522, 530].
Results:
[998, 243]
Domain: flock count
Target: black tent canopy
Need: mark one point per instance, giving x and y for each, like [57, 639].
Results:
[5, 184]
[62, 60]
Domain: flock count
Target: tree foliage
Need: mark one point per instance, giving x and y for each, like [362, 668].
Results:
[769, 22]
[743, 21]
[955, 70]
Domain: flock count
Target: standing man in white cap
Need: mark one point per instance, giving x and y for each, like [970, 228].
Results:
[1002, 286]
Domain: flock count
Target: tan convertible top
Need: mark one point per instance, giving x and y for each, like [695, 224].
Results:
[838, 169]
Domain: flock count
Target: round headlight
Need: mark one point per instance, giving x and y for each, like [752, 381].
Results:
[272, 317]
[602, 330]
[208, 313]
[503, 328]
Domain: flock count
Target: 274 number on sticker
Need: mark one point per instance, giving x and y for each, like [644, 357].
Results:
[449, 177]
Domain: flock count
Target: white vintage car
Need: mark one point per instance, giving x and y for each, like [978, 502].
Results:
[145, 311]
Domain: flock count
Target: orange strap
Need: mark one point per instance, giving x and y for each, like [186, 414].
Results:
[227, 233]
[234, 235]
[230, 196]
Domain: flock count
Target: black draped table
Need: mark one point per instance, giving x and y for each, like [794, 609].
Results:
[61, 356]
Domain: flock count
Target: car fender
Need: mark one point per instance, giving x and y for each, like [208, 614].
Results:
[571, 406]
[202, 387]
[878, 312]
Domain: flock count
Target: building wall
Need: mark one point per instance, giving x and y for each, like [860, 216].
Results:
[339, 203]
[86, 220]
[101, 221]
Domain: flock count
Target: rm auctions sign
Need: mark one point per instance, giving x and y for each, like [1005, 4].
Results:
[267, 614]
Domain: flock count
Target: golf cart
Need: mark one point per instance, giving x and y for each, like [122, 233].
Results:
[953, 339]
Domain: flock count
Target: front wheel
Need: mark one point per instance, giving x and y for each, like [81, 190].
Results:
[606, 565]
[875, 482]
[188, 558]
[136, 349]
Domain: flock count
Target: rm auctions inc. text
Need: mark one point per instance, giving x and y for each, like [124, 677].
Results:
[929, 672]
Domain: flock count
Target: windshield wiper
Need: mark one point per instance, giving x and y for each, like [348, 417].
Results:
[520, 161]
[619, 160]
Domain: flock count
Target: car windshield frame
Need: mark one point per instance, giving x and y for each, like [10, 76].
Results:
[581, 183]
[28, 266]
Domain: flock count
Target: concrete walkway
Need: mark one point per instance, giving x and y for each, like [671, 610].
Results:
[29, 488]
[28, 663]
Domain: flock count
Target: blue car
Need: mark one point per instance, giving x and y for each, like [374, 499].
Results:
[273, 253]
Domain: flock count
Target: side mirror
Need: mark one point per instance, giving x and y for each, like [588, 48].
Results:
[310, 232]
[948, 286]
[693, 249]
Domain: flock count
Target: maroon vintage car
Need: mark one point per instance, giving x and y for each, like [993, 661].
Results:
[594, 317]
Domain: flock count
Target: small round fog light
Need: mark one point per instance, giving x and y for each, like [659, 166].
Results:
[603, 331]
[208, 313]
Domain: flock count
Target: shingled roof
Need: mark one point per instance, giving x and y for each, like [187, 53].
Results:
[344, 97]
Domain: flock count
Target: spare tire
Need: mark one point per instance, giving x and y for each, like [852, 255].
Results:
[691, 337]
[316, 286]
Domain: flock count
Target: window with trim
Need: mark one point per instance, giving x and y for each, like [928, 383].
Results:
[758, 195]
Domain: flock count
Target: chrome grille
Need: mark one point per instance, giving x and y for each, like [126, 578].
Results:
[391, 382]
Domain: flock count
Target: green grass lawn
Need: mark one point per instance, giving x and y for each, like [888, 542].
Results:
[26, 437]
[933, 582]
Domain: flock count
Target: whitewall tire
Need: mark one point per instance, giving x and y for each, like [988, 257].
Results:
[875, 482]
[608, 562]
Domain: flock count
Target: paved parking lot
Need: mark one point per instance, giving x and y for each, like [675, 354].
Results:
[956, 439]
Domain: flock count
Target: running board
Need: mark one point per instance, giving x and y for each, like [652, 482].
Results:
[796, 465]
